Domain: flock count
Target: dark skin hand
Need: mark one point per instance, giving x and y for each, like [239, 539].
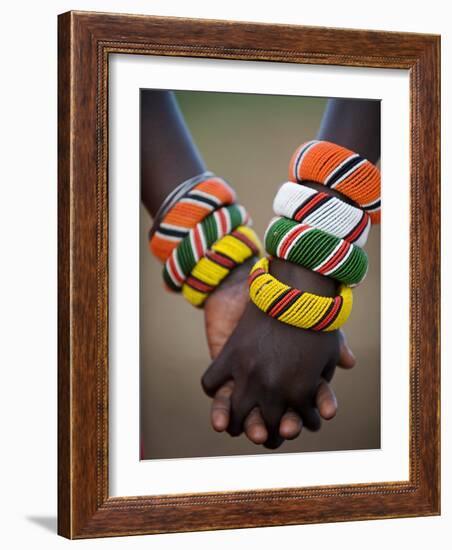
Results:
[223, 311]
[275, 366]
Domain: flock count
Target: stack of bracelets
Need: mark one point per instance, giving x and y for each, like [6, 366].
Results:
[320, 232]
[201, 235]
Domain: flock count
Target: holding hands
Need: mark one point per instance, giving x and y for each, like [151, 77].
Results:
[276, 367]
[264, 358]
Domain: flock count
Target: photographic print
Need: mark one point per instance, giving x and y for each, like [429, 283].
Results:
[292, 179]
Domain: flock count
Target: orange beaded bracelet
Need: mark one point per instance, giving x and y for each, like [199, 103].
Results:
[210, 194]
[339, 168]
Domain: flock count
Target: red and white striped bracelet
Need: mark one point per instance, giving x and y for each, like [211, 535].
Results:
[323, 211]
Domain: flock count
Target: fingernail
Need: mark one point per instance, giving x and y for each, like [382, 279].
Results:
[219, 423]
[350, 352]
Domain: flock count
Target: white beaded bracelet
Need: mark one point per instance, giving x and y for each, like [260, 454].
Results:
[317, 209]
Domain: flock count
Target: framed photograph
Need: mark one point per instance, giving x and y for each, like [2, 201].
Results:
[260, 173]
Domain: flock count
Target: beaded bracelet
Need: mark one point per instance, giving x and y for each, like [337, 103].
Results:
[206, 196]
[340, 169]
[199, 239]
[318, 209]
[316, 250]
[226, 254]
[297, 308]
[176, 194]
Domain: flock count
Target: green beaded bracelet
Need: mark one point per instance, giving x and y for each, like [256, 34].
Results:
[194, 246]
[316, 250]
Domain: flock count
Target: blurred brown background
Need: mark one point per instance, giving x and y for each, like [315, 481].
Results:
[248, 140]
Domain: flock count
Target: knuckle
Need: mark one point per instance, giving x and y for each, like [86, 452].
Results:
[251, 365]
[204, 383]
[269, 381]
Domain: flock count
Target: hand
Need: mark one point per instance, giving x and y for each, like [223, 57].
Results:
[222, 312]
[224, 307]
[290, 425]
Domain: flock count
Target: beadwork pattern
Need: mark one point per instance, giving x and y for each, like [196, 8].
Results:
[199, 239]
[295, 307]
[316, 250]
[192, 208]
[326, 212]
[341, 169]
[224, 255]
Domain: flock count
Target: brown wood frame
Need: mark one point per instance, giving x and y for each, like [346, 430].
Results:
[85, 42]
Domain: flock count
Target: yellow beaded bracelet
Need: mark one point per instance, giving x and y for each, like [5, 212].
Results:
[294, 307]
[226, 254]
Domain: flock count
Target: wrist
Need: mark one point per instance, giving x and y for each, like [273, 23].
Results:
[333, 192]
[302, 278]
[298, 307]
[237, 278]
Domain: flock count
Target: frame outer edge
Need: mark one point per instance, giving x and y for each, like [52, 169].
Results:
[432, 277]
[64, 294]
[425, 230]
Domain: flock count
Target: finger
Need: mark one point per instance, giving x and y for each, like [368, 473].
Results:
[309, 415]
[221, 406]
[329, 369]
[241, 404]
[217, 374]
[347, 359]
[290, 425]
[273, 443]
[311, 419]
[326, 401]
[272, 413]
[254, 427]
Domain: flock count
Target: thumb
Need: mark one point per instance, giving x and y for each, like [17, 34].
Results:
[217, 374]
[347, 359]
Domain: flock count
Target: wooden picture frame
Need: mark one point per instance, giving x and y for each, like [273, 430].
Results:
[85, 43]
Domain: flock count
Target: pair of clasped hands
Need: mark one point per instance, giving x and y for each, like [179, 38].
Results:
[269, 379]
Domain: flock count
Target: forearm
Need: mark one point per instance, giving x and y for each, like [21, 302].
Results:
[353, 123]
[169, 155]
